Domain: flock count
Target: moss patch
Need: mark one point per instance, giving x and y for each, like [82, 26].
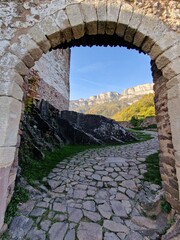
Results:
[20, 196]
[153, 170]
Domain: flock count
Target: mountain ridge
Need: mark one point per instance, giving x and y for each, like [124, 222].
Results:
[109, 103]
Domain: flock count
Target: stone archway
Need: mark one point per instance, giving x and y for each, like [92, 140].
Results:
[68, 23]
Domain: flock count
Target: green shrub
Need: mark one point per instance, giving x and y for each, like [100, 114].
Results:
[20, 196]
[153, 170]
[165, 206]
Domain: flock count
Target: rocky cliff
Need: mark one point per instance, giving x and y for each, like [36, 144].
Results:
[109, 103]
[45, 128]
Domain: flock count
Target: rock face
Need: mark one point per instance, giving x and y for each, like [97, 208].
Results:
[45, 128]
[113, 100]
[103, 129]
[139, 90]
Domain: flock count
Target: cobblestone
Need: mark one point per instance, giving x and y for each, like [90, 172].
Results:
[96, 195]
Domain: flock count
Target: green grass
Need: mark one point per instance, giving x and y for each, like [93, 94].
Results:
[35, 170]
[153, 170]
[20, 196]
[140, 135]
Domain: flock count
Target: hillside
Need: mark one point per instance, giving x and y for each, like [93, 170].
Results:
[144, 107]
[110, 103]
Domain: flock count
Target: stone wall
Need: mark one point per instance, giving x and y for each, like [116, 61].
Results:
[167, 158]
[53, 70]
[30, 28]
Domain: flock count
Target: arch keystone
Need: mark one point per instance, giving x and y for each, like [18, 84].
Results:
[113, 8]
[101, 16]
[125, 14]
[132, 27]
[90, 16]
[76, 20]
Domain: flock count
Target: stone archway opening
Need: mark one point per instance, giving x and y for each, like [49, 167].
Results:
[95, 23]
[167, 159]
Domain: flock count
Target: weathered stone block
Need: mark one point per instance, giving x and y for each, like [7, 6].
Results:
[7, 155]
[178, 176]
[174, 92]
[11, 83]
[12, 62]
[154, 35]
[172, 69]
[168, 56]
[63, 23]
[133, 25]
[10, 110]
[175, 80]
[168, 39]
[124, 18]
[39, 37]
[101, 16]
[177, 158]
[76, 20]
[51, 30]
[11, 89]
[23, 54]
[34, 50]
[89, 231]
[90, 17]
[147, 25]
[174, 202]
[172, 191]
[4, 44]
[174, 113]
[113, 8]
[4, 176]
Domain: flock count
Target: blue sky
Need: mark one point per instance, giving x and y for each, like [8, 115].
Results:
[102, 69]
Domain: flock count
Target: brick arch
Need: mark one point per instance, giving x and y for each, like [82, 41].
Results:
[92, 18]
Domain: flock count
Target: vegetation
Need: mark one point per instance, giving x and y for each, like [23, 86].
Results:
[20, 196]
[141, 109]
[135, 121]
[106, 109]
[168, 225]
[33, 170]
[140, 135]
[153, 169]
[165, 206]
[31, 90]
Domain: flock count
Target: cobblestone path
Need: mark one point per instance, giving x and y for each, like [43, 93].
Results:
[92, 196]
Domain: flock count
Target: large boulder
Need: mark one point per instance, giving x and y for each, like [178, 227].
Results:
[45, 128]
[102, 128]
